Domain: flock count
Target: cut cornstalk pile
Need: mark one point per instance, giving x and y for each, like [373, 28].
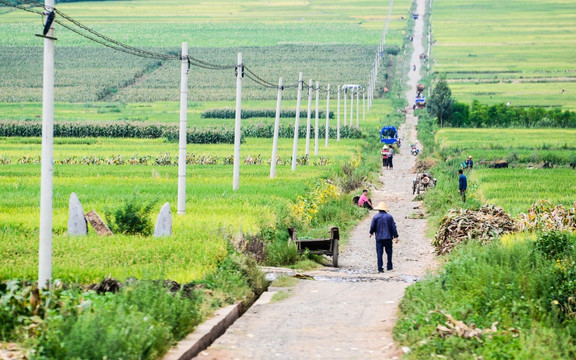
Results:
[545, 216]
[481, 225]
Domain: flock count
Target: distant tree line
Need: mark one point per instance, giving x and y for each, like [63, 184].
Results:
[501, 115]
[452, 113]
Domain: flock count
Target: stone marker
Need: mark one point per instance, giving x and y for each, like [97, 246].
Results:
[76, 222]
[98, 224]
[163, 222]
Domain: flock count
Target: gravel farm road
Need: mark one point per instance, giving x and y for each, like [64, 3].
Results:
[347, 312]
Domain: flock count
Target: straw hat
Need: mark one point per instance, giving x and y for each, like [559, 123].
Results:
[381, 206]
[385, 147]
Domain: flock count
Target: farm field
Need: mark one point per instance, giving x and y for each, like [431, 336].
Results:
[517, 189]
[305, 36]
[525, 182]
[534, 146]
[197, 244]
[330, 42]
[169, 112]
[518, 51]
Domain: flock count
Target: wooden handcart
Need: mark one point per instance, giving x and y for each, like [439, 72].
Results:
[328, 247]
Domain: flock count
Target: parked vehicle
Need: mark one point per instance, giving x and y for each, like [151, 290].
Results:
[389, 135]
[422, 182]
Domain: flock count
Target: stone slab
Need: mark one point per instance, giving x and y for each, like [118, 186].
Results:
[163, 225]
[97, 223]
[76, 221]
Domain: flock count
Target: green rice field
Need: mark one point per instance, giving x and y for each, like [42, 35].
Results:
[499, 51]
[525, 182]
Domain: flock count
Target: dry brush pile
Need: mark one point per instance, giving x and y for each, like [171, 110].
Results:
[482, 225]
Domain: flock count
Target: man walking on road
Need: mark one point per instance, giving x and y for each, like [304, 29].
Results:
[462, 184]
[384, 229]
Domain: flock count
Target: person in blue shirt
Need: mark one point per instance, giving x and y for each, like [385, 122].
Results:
[384, 230]
[462, 185]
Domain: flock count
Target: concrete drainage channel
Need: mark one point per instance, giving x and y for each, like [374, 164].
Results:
[207, 332]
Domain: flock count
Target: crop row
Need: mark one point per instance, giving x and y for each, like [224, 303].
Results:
[154, 131]
[164, 159]
[118, 130]
[263, 113]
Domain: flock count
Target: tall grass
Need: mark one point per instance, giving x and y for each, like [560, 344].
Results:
[520, 288]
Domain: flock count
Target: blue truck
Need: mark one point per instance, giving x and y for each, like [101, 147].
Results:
[389, 135]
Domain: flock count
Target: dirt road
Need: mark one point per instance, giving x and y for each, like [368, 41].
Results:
[349, 312]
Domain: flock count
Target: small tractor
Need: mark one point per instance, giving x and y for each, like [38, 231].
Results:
[421, 182]
[420, 102]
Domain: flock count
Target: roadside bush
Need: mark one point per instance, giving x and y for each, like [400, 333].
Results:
[139, 322]
[281, 252]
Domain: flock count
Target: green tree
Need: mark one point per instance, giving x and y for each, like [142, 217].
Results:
[440, 104]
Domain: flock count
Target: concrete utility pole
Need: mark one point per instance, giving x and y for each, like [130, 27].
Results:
[47, 161]
[276, 129]
[238, 123]
[327, 130]
[351, 123]
[338, 117]
[183, 137]
[345, 93]
[316, 123]
[358, 108]
[364, 107]
[297, 123]
[309, 114]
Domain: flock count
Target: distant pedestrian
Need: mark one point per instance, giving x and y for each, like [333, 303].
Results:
[364, 201]
[469, 163]
[462, 185]
[390, 156]
[385, 156]
[384, 230]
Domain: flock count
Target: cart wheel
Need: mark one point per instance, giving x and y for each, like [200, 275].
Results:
[335, 254]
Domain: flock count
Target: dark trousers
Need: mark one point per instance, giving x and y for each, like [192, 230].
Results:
[390, 162]
[381, 245]
[385, 162]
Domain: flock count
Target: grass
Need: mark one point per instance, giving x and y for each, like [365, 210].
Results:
[515, 287]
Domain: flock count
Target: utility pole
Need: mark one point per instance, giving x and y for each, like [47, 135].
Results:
[338, 117]
[297, 123]
[316, 130]
[309, 114]
[327, 130]
[183, 137]
[276, 130]
[47, 161]
[238, 123]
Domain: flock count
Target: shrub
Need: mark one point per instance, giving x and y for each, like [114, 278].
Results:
[553, 244]
[132, 217]
[281, 252]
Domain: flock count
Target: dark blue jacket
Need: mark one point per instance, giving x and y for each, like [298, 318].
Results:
[462, 182]
[383, 226]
